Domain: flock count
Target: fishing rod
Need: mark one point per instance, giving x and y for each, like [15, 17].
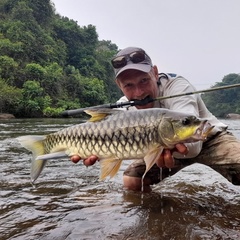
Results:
[142, 102]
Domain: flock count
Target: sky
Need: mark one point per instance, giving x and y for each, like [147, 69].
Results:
[197, 39]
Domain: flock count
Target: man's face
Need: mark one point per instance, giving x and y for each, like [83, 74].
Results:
[137, 85]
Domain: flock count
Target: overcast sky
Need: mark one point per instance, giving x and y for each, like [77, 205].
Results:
[198, 39]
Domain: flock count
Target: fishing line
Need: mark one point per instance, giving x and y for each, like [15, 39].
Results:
[200, 91]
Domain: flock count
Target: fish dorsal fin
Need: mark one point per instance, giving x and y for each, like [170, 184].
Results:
[109, 167]
[100, 114]
[152, 156]
[95, 116]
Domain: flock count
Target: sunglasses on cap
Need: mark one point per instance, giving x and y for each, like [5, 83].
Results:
[135, 57]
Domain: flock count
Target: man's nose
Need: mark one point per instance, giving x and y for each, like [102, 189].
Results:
[139, 91]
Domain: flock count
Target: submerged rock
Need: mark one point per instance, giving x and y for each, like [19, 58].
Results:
[233, 116]
[6, 116]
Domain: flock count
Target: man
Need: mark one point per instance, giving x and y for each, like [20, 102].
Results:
[138, 79]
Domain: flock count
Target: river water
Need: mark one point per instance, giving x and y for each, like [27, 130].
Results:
[69, 202]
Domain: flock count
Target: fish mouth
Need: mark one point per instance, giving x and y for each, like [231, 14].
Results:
[203, 131]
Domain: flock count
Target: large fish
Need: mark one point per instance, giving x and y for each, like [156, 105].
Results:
[116, 135]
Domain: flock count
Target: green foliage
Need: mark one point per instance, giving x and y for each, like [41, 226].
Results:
[33, 100]
[52, 62]
[93, 92]
[48, 64]
[222, 102]
[7, 68]
[9, 97]
[11, 49]
[34, 71]
[104, 53]
[42, 11]
[52, 112]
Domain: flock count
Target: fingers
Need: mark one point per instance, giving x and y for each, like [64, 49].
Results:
[90, 160]
[181, 148]
[166, 159]
[87, 162]
[75, 158]
[160, 162]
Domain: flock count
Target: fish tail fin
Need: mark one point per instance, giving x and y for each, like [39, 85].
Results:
[35, 145]
[109, 167]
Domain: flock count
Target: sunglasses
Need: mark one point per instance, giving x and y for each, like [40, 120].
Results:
[135, 57]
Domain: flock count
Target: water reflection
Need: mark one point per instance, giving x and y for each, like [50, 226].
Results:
[68, 201]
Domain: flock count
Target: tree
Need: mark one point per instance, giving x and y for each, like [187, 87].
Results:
[222, 102]
[33, 100]
[93, 92]
[9, 97]
[52, 55]
[8, 69]
[104, 53]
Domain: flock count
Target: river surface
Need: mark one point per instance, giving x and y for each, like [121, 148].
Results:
[69, 202]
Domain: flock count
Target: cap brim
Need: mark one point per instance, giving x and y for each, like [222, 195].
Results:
[140, 67]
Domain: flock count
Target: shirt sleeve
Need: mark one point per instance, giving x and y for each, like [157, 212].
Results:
[188, 103]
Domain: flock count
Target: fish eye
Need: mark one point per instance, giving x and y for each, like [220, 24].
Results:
[186, 121]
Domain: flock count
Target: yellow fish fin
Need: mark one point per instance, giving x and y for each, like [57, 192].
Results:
[100, 114]
[152, 156]
[109, 167]
[35, 145]
[95, 116]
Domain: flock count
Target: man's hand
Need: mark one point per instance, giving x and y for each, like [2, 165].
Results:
[166, 159]
[87, 162]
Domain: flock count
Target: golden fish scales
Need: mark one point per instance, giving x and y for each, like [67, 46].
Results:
[116, 135]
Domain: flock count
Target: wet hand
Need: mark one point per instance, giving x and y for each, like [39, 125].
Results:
[87, 162]
[166, 159]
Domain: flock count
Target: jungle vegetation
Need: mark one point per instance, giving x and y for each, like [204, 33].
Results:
[49, 63]
[223, 102]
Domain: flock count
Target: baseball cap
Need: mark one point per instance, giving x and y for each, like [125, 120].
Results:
[131, 58]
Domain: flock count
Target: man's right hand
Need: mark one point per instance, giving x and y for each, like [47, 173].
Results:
[87, 162]
[167, 160]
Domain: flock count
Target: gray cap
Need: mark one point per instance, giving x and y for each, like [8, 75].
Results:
[144, 66]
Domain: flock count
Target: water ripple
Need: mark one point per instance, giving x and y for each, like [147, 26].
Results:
[69, 202]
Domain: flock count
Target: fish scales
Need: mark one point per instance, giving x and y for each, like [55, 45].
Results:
[121, 135]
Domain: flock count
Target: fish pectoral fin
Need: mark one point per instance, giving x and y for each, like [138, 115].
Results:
[152, 156]
[54, 155]
[59, 152]
[109, 167]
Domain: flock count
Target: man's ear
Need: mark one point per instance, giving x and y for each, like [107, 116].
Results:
[155, 69]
